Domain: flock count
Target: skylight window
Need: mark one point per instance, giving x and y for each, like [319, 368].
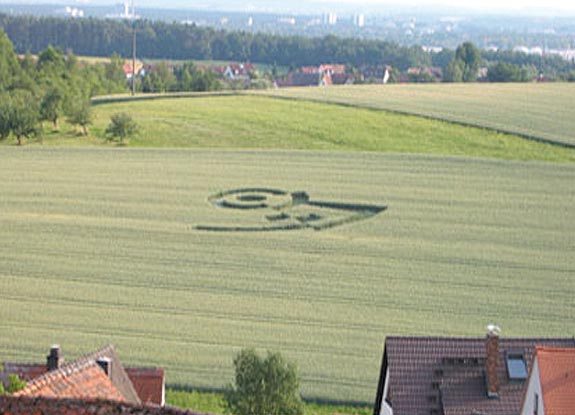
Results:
[516, 367]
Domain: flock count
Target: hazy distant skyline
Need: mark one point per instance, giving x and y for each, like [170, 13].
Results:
[549, 7]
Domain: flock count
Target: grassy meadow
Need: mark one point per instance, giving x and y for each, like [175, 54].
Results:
[100, 246]
[538, 110]
[268, 123]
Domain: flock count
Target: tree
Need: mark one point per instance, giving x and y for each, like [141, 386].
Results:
[121, 126]
[453, 72]
[5, 115]
[80, 112]
[9, 67]
[506, 72]
[51, 106]
[264, 386]
[471, 57]
[24, 115]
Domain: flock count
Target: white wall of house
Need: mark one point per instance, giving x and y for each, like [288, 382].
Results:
[385, 408]
[534, 394]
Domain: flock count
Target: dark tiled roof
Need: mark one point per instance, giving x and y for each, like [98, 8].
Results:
[26, 372]
[304, 79]
[10, 405]
[148, 383]
[446, 375]
[79, 381]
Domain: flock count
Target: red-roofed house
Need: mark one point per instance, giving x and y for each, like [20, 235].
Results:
[84, 381]
[551, 386]
[98, 375]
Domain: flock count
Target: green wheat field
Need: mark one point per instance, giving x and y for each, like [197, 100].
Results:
[542, 111]
[100, 245]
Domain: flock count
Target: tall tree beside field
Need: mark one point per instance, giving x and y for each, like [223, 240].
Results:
[24, 115]
[464, 67]
[267, 385]
[10, 69]
[51, 106]
[79, 112]
[471, 58]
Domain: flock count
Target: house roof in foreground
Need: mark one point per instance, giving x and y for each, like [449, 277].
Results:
[557, 377]
[86, 380]
[81, 378]
[147, 383]
[445, 375]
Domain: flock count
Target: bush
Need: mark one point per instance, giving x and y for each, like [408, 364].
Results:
[121, 126]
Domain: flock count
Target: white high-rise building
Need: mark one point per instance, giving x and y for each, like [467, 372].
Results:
[330, 19]
[359, 20]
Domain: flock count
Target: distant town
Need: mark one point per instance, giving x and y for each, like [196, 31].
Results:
[432, 29]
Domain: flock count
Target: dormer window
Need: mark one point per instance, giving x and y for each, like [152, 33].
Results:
[516, 366]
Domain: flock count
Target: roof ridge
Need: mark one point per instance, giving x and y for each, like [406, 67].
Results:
[501, 338]
[91, 356]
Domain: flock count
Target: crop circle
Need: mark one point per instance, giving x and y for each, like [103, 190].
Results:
[252, 198]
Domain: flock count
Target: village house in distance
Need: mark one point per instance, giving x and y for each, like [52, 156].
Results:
[473, 376]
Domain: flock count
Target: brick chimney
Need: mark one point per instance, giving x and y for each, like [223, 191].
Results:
[492, 361]
[54, 360]
[106, 364]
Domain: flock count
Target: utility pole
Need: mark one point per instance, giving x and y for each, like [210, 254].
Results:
[133, 50]
[134, 60]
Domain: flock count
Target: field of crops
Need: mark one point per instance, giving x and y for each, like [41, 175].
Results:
[538, 110]
[102, 245]
[260, 122]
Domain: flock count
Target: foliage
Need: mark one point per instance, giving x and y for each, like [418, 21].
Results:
[80, 112]
[5, 115]
[121, 127]
[453, 72]
[15, 383]
[160, 40]
[214, 403]
[506, 72]
[24, 116]
[9, 68]
[267, 385]
[51, 106]
[464, 67]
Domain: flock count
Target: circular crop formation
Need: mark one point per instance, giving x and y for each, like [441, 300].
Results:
[252, 198]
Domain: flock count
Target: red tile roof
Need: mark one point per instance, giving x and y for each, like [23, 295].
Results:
[136, 384]
[446, 375]
[148, 383]
[557, 376]
[85, 381]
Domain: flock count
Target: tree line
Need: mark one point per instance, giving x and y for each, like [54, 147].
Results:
[48, 87]
[161, 40]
